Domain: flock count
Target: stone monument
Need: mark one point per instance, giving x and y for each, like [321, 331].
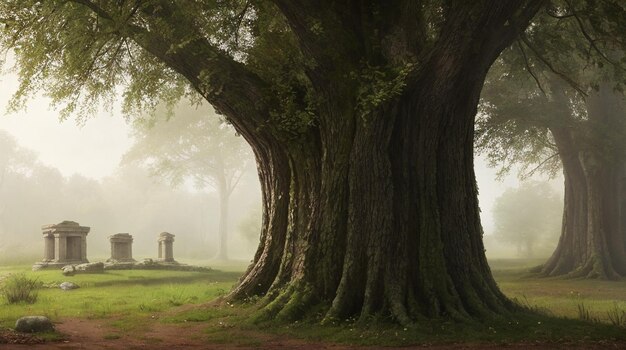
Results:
[64, 244]
[121, 248]
[166, 247]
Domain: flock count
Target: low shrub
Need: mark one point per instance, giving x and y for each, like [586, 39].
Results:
[18, 288]
[617, 316]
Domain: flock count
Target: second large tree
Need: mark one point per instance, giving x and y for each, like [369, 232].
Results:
[569, 105]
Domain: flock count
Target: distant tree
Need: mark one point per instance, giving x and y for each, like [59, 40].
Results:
[194, 144]
[14, 160]
[250, 226]
[550, 109]
[33, 194]
[30, 194]
[528, 216]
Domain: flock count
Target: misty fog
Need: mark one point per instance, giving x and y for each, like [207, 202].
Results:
[54, 170]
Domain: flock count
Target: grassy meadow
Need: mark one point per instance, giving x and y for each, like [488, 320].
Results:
[592, 300]
[129, 294]
[568, 310]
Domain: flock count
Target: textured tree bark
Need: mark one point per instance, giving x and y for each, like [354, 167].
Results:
[373, 209]
[592, 242]
[377, 213]
[403, 251]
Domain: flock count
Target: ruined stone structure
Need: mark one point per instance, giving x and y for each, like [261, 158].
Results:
[64, 244]
[166, 247]
[121, 248]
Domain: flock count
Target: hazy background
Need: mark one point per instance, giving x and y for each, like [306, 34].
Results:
[74, 173]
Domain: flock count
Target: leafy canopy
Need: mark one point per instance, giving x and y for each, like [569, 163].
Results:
[533, 88]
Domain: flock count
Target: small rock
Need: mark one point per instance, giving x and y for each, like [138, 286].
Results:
[69, 270]
[33, 324]
[68, 286]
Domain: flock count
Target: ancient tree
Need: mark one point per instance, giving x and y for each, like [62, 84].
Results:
[360, 115]
[567, 108]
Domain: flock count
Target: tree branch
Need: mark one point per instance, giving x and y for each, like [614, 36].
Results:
[563, 76]
[530, 71]
[216, 76]
[102, 13]
[240, 18]
[542, 163]
[587, 36]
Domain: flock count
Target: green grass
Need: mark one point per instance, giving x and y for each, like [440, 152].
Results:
[233, 326]
[556, 300]
[122, 296]
[563, 297]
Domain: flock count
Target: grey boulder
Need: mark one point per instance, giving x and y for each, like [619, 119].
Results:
[68, 286]
[34, 324]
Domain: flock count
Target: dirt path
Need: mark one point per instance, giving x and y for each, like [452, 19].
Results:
[96, 334]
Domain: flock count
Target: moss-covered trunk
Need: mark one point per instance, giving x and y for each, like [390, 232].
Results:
[378, 213]
[371, 208]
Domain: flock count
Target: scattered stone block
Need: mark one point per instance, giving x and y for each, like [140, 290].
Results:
[68, 270]
[71, 270]
[149, 264]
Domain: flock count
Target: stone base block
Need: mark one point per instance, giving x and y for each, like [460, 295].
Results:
[53, 265]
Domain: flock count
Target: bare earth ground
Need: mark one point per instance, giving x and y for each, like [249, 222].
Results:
[95, 334]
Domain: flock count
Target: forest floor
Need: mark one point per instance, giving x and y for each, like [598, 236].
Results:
[171, 310]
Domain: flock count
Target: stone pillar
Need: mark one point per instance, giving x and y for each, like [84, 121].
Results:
[166, 247]
[83, 248]
[65, 243]
[121, 248]
[49, 247]
[60, 247]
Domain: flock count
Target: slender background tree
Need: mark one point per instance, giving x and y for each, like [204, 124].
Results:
[191, 143]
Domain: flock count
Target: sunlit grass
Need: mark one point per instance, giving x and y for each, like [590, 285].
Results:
[125, 300]
[118, 295]
[563, 297]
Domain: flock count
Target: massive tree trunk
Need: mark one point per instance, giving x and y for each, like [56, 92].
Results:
[371, 209]
[377, 212]
[593, 237]
[389, 223]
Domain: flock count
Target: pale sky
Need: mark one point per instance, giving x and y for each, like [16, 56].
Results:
[93, 150]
